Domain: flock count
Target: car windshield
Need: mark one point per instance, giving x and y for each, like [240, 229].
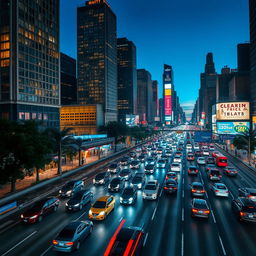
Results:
[192, 168]
[100, 175]
[249, 209]
[161, 161]
[69, 185]
[171, 183]
[67, 233]
[175, 165]
[99, 204]
[38, 206]
[221, 187]
[150, 187]
[199, 187]
[230, 168]
[137, 179]
[150, 166]
[134, 162]
[215, 172]
[115, 181]
[223, 160]
[128, 191]
[200, 205]
[125, 171]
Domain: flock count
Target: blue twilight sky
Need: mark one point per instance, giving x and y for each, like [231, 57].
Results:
[175, 32]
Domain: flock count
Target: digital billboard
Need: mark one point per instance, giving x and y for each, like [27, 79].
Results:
[232, 128]
[233, 111]
[168, 99]
[132, 120]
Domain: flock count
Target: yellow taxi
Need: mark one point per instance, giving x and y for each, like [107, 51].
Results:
[102, 207]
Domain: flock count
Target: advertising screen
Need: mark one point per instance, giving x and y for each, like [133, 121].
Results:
[131, 120]
[232, 128]
[233, 111]
[168, 99]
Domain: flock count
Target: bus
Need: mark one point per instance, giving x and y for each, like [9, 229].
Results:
[221, 161]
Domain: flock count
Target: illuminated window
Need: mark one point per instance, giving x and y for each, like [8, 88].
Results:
[4, 63]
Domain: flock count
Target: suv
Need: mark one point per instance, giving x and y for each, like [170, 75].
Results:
[214, 175]
[245, 209]
[101, 178]
[249, 193]
[70, 188]
[151, 189]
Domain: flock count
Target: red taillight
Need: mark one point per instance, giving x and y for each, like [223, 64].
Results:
[242, 214]
[217, 191]
[165, 188]
[210, 175]
[207, 211]
[128, 248]
[194, 210]
[55, 242]
[174, 188]
[69, 243]
[202, 191]
[193, 190]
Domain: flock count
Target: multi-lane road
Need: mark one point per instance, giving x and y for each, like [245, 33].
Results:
[169, 228]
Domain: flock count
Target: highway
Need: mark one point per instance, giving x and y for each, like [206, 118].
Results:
[169, 227]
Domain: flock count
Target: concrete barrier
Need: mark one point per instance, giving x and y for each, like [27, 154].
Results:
[8, 207]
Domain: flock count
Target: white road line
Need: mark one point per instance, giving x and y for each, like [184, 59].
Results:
[80, 216]
[19, 243]
[121, 219]
[47, 250]
[223, 249]
[183, 193]
[183, 180]
[182, 244]
[145, 240]
[161, 192]
[182, 214]
[153, 216]
[231, 195]
[214, 220]
[206, 194]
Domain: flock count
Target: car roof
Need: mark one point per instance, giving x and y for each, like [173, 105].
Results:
[247, 201]
[220, 184]
[192, 166]
[251, 190]
[197, 183]
[73, 225]
[152, 182]
[199, 201]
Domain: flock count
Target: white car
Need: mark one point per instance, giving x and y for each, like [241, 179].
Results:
[211, 148]
[177, 159]
[196, 147]
[201, 160]
[220, 189]
[176, 167]
[151, 190]
[206, 153]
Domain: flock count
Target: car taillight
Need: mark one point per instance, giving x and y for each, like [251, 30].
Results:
[210, 175]
[242, 214]
[194, 210]
[202, 191]
[165, 188]
[217, 190]
[207, 211]
[69, 243]
[55, 242]
[193, 190]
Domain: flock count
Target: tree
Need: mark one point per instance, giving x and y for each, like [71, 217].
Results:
[246, 141]
[59, 138]
[77, 144]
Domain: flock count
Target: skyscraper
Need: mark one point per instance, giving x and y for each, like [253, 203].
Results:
[155, 103]
[68, 80]
[97, 57]
[127, 78]
[144, 83]
[29, 61]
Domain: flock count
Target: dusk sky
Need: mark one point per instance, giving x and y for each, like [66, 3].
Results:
[174, 32]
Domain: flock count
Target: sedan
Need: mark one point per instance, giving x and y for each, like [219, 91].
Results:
[209, 167]
[79, 200]
[149, 169]
[138, 181]
[200, 208]
[150, 160]
[70, 238]
[126, 174]
[210, 160]
[176, 167]
[170, 186]
[190, 157]
[135, 164]
[197, 189]
[116, 184]
[220, 189]
[161, 164]
[151, 190]
[101, 178]
[113, 168]
[230, 171]
[201, 160]
[171, 175]
[192, 170]
[129, 195]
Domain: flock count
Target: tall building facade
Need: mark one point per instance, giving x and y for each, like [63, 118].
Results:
[29, 61]
[155, 103]
[144, 83]
[68, 80]
[252, 10]
[97, 57]
[127, 78]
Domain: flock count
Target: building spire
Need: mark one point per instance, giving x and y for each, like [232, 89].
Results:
[209, 66]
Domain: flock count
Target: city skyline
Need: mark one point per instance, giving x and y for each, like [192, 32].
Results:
[231, 27]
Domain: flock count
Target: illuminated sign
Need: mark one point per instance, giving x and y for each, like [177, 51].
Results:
[89, 137]
[203, 115]
[168, 118]
[168, 100]
[233, 111]
[232, 127]
[132, 120]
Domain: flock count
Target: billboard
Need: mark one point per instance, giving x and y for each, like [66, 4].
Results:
[232, 128]
[233, 111]
[203, 136]
[132, 120]
[203, 115]
[168, 99]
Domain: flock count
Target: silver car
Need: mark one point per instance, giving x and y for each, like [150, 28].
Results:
[151, 190]
[220, 189]
[201, 160]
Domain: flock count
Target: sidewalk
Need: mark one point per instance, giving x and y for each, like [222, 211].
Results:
[47, 174]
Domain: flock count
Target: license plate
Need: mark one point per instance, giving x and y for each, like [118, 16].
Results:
[70, 208]
[61, 244]
[250, 215]
[25, 220]
[200, 212]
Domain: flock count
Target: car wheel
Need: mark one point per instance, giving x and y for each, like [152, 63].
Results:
[78, 245]
[80, 207]
[40, 218]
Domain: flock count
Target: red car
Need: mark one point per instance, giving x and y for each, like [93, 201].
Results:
[190, 157]
[40, 209]
[215, 153]
[192, 170]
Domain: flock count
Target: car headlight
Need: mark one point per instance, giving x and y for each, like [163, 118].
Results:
[121, 199]
[109, 186]
[117, 186]
[60, 191]
[33, 217]
[143, 194]
[76, 205]
[139, 185]
[94, 181]
[22, 216]
[154, 194]
[101, 181]
[102, 213]
[69, 192]
[90, 212]
[130, 199]
[66, 204]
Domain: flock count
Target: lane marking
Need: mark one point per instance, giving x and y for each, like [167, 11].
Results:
[222, 246]
[183, 180]
[80, 216]
[182, 214]
[214, 220]
[161, 192]
[231, 195]
[183, 193]
[145, 240]
[47, 250]
[19, 243]
[154, 213]
[182, 244]
[206, 194]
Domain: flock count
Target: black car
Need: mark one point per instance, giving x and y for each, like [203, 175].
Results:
[192, 170]
[142, 158]
[79, 200]
[149, 169]
[138, 180]
[210, 160]
[170, 186]
[113, 168]
[70, 238]
[210, 166]
[249, 193]
[245, 209]
[129, 195]
[132, 154]
[101, 178]
[230, 171]
[125, 173]
[70, 188]
[124, 161]
[135, 164]
[116, 184]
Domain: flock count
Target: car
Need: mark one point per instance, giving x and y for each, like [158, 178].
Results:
[211, 148]
[204, 147]
[160, 163]
[149, 169]
[196, 146]
[215, 153]
[71, 236]
[129, 195]
[197, 189]
[177, 159]
[125, 173]
[205, 153]
[124, 161]
[198, 153]
[220, 189]
[171, 175]
[138, 181]
[249, 193]
[210, 160]
[154, 155]
[71, 187]
[192, 170]
[214, 174]
[116, 184]
[40, 209]
[102, 207]
[150, 160]
[190, 157]
[142, 158]
[159, 150]
[151, 190]
[245, 209]
[168, 153]
[126, 241]
[135, 164]
[201, 160]
[132, 155]
[101, 178]
[210, 166]
[170, 186]
[178, 153]
[165, 158]
[113, 168]
[200, 208]
[230, 171]
[79, 200]
[176, 167]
